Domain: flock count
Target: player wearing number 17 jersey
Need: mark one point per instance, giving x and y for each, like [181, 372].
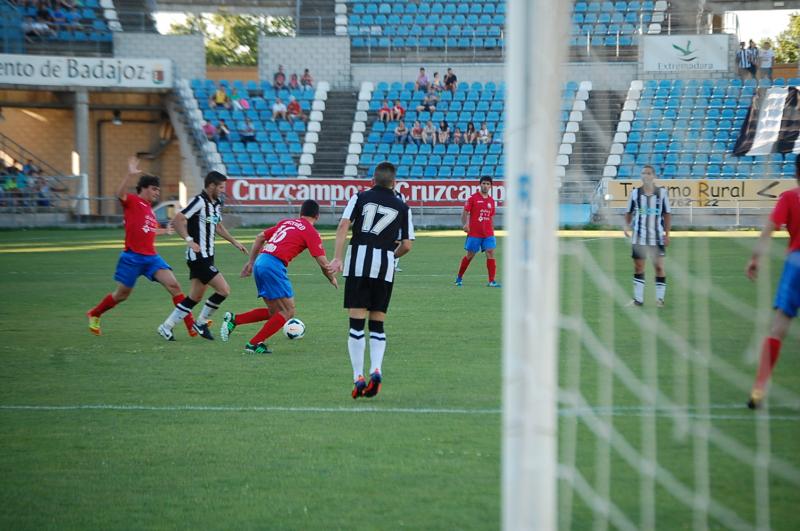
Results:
[378, 218]
[270, 255]
[480, 208]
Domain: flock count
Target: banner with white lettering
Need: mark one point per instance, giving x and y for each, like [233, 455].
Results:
[417, 193]
[685, 53]
[106, 72]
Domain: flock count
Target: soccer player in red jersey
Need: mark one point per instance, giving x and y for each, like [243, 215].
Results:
[480, 208]
[139, 257]
[787, 299]
[269, 257]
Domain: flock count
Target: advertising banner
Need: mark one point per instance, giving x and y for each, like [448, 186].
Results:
[685, 53]
[704, 193]
[449, 193]
[101, 72]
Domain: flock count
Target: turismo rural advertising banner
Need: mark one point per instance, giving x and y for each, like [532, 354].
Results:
[728, 193]
[261, 192]
[685, 53]
[105, 72]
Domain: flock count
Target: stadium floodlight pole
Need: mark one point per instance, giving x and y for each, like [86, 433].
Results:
[537, 32]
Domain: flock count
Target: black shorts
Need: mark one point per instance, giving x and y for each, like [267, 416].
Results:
[373, 294]
[642, 252]
[202, 269]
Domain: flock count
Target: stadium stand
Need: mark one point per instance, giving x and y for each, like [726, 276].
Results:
[474, 102]
[280, 148]
[615, 23]
[687, 129]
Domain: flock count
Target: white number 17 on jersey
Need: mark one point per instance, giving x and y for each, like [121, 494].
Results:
[370, 210]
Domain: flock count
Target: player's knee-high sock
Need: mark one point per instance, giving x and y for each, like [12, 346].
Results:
[356, 345]
[104, 305]
[770, 351]
[212, 305]
[377, 345]
[463, 267]
[638, 287]
[188, 320]
[661, 288]
[491, 267]
[182, 309]
[253, 316]
[270, 327]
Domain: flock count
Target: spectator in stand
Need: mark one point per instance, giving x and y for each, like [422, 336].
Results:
[743, 61]
[223, 133]
[73, 18]
[398, 111]
[307, 81]
[443, 134]
[278, 110]
[450, 81]
[235, 97]
[429, 133]
[422, 81]
[247, 132]
[755, 58]
[470, 135]
[43, 14]
[29, 168]
[210, 131]
[484, 136]
[35, 28]
[24, 187]
[294, 111]
[385, 112]
[220, 97]
[42, 192]
[294, 83]
[400, 133]
[458, 137]
[10, 187]
[279, 79]
[767, 59]
[416, 133]
[437, 85]
[429, 103]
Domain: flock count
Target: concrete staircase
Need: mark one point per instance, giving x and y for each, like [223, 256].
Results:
[334, 137]
[592, 145]
[317, 18]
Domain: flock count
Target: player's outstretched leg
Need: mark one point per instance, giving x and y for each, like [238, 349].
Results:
[182, 309]
[106, 303]
[188, 321]
[231, 320]
[260, 348]
[275, 323]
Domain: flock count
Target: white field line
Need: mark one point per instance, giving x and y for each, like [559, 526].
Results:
[735, 411]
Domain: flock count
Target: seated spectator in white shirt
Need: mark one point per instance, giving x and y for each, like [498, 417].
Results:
[278, 109]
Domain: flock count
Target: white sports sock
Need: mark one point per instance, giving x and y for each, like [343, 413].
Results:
[356, 345]
[212, 305]
[177, 315]
[377, 347]
[638, 289]
[661, 288]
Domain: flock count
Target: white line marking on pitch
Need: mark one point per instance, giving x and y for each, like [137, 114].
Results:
[620, 411]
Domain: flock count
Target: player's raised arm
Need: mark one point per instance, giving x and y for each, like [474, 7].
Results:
[222, 231]
[133, 170]
[255, 250]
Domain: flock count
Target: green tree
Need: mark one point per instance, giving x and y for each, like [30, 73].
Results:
[232, 40]
[787, 43]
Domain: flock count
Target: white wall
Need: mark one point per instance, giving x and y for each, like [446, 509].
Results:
[328, 58]
[187, 52]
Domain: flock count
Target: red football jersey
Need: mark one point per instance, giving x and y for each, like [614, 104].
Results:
[787, 213]
[290, 237]
[481, 215]
[140, 225]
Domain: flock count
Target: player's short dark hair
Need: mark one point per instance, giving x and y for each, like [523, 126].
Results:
[484, 179]
[651, 168]
[214, 177]
[309, 208]
[385, 173]
[146, 181]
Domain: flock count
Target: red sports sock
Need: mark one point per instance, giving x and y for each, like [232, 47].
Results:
[463, 268]
[270, 327]
[103, 306]
[770, 351]
[491, 266]
[188, 320]
[253, 316]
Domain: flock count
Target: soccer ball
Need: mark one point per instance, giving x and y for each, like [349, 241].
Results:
[294, 329]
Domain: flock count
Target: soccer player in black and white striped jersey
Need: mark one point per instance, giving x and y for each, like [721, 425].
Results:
[647, 223]
[378, 218]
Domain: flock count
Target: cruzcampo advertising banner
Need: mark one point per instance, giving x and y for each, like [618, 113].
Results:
[704, 193]
[101, 72]
[685, 53]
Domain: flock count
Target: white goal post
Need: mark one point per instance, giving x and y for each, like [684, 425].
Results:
[535, 33]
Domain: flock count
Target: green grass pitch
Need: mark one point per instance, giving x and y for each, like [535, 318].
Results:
[194, 434]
